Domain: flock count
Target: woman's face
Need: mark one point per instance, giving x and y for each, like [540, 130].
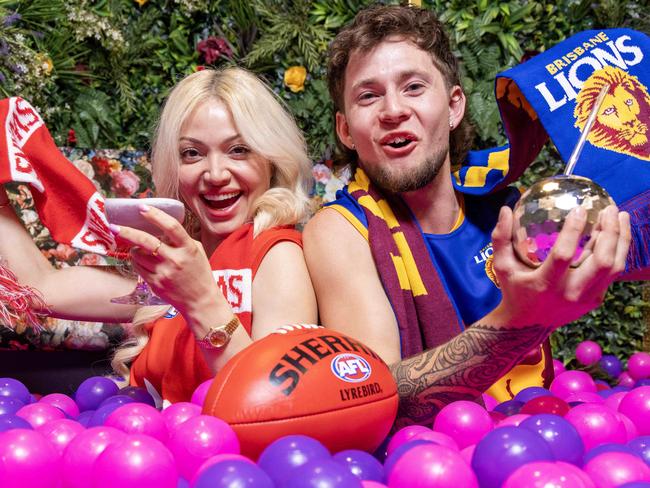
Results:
[220, 177]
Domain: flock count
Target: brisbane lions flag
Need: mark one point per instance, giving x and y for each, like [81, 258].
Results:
[551, 95]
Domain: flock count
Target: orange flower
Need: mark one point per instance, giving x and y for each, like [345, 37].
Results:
[295, 77]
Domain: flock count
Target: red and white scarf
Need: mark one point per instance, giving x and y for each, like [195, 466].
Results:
[67, 202]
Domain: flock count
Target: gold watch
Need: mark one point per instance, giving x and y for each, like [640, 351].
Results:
[219, 337]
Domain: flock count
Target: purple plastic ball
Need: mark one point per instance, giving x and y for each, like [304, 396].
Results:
[284, 455]
[85, 417]
[322, 473]
[93, 391]
[99, 416]
[405, 434]
[394, 456]
[509, 407]
[361, 464]
[12, 388]
[531, 392]
[119, 400]
[10, 405]
[641, 447]
[10, 421]
[504, 450]
[139, 395]
[611, 365]
[561, 437]
[233, 473]
[588, 353]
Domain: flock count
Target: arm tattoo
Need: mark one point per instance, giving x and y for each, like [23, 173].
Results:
[461, 369]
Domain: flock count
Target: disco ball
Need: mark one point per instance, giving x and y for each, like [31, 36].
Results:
[540, 213]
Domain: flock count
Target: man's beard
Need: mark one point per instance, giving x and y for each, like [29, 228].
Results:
[394, 180]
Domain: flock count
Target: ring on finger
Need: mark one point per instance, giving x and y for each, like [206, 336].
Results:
[154, 253]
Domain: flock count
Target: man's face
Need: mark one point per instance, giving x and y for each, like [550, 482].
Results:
[397, 117]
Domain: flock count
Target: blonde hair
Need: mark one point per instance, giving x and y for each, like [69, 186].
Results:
[266, 127]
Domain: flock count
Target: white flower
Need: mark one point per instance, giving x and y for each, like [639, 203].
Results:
[29, 216]
[85, 167]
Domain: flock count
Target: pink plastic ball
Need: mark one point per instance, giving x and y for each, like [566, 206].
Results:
[430, 465]
[465, 422]
[83, 451]
[60, 432]
[489, 401]
[636, 406]
[63, 402]
[198, 397]
[611, 469]
[558, 367]
[584, 397]
[630, 429]
[572, 382]
[38, 414]
[624, 379]
[467, 454]
[439, 438]
[137, 461]
[372, 484]
[588, 353]
[614, 400]
[513, 420]
[638, 366]
[139, 418]
[198, 439]
[177, 413]
[28, 460]
[579, 473]
[404, 435]
[544, 474]
[597, 424]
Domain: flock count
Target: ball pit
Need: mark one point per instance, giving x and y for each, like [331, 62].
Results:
[582, 432]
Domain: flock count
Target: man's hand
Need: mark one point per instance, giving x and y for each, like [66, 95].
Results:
[555, 294]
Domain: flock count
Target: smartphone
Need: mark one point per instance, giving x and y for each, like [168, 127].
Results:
[126, 211]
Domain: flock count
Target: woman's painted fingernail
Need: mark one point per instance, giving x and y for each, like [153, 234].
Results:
[144, 208]
[115, 229]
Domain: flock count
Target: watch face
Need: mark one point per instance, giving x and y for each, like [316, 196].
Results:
[218, 338]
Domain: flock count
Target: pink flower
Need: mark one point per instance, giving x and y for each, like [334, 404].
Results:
[124, 183]
[91, 259]
[321, 173]
[212, 48]
[63, 252]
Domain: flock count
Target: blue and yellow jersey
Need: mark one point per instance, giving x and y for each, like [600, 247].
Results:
[463, 258]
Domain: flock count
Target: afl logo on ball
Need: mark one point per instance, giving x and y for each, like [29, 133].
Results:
[351, 368]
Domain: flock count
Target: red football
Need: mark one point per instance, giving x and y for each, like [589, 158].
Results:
[310, 381]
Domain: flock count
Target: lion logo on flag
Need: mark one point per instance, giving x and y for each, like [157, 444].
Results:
[624, 117]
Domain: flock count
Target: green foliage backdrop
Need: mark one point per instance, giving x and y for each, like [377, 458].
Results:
[99, 70]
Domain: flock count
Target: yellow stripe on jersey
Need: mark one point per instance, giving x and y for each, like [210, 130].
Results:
[349, 216]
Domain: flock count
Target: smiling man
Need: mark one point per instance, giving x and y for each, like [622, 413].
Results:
[394, 259]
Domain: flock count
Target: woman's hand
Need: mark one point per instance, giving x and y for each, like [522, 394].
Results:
[175, 266]
[554, 293]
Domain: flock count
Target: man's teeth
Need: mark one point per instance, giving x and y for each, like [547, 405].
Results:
[218, 198]
[399, 140]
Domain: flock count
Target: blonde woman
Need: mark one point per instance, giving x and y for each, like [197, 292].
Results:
[234, 273]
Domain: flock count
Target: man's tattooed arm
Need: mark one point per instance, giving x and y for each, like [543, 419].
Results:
[460, 369]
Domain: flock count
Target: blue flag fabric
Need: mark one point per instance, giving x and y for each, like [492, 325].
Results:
[552, 95]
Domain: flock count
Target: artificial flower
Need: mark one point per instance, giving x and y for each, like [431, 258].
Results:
[295, 77]
[124, 183]
[212, 48]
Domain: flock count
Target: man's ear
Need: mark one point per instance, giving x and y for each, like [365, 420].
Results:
[343, 131]
[457, 103]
